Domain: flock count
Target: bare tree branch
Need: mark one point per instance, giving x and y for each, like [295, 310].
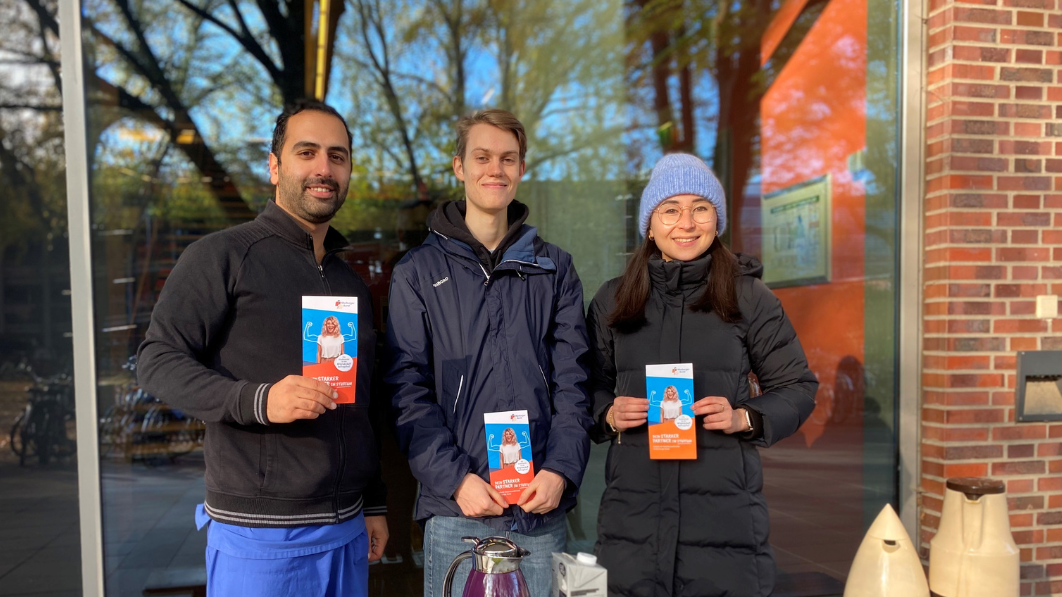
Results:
[199, 153]
[244, 37]
[37, 108]
[370, 24]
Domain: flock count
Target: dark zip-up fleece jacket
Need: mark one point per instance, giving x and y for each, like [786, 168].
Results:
[695, 528]
[226, 327]
[464, 340]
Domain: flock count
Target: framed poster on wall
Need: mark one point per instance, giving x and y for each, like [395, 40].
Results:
[796, 234]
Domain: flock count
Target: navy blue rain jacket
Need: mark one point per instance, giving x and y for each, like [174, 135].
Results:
[462, 342]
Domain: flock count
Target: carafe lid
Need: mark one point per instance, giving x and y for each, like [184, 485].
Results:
[497, 547]
[495, 555]
[975, 487]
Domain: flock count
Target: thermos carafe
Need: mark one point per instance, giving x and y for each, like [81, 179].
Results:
[495, 569]
[973, 553]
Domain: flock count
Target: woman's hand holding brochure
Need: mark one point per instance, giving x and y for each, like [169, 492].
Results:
[629, 412]
[719, 415]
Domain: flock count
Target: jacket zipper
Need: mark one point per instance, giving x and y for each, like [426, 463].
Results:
[339, 428]
[342, 465]
[460, 384]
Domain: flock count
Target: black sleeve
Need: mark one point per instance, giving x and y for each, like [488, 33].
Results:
[191, 311]
[779, 362]
[602, 362]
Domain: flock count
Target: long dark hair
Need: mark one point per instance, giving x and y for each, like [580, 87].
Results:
[720, 292]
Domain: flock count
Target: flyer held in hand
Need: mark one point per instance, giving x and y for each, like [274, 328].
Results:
[672, 435]
[330, 342]
[509, 452]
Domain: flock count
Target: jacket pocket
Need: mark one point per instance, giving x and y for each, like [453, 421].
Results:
[453, 389]
[267, 461]
[457, 397]
[362, 459]
[545, 380]
[307, 457]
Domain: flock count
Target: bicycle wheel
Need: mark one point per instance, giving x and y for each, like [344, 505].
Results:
[17, 445]
[24, 436]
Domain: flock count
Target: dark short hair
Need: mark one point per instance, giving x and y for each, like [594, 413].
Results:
[294, 108]
[506, 121]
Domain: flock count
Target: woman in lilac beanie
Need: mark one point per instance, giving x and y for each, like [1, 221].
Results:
[691, 527]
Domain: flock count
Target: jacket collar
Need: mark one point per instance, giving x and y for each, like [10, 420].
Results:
[285, 226]
[679, 277]
[522, 252]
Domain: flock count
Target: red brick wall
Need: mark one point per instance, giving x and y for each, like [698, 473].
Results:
[993, 241]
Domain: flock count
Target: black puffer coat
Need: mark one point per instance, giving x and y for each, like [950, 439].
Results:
[695, 527]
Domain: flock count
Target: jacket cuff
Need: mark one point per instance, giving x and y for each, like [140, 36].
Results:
[380, 510]
[568, 483]
[757, 424]
[375, 496]
[600, 431]
[253, 398]
[448, 492]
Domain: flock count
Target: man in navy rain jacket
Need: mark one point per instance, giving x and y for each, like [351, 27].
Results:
[487, 317]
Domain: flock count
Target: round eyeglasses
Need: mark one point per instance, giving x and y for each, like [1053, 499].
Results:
[671, 214]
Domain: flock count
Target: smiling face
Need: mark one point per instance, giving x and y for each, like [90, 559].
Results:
[313, 171]
[671, 394]
[687, 239]
[509, 436]
[491, 168]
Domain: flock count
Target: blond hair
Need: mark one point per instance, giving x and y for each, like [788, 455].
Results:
[502, 119]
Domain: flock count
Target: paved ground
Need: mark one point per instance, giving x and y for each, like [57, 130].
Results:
[816, 498]
[40, 552]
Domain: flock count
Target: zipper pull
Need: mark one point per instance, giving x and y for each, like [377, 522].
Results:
[619, 437]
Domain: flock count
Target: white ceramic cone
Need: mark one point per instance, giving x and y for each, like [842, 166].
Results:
[887, 563]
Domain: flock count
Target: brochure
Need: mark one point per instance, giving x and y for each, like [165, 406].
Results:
[330, 342]
[672, 434]
[509, 452]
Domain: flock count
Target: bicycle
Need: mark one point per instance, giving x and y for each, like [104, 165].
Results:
[46, 427]
[145, 428]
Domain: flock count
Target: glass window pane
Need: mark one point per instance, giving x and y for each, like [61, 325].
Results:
[40, 539]
[793, 104]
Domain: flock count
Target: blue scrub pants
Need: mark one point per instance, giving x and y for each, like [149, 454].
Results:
[327, 561]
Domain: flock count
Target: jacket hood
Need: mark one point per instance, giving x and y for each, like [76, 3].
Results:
[674, 277]
[748, 265]
[449, 221]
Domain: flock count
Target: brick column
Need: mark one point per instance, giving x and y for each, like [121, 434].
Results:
[993, 241]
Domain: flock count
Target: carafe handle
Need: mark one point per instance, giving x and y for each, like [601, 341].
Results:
[448, 583]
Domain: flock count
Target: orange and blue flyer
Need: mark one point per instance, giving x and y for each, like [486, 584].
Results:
[330, 342]
[509, 452]
[672, 434]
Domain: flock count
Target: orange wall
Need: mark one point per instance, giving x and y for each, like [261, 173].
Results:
[813, 118]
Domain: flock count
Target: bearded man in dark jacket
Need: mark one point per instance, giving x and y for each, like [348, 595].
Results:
[485, 317]
[294, 500]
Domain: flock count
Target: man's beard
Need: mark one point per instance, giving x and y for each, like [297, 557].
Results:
[292, 193]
